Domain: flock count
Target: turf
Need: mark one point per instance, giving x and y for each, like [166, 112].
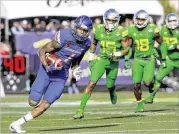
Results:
[100, 115]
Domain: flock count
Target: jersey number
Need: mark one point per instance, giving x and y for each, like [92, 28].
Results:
[142, 44]
[170, 41]
[108, 44]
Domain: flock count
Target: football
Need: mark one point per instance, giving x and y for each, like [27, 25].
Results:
[53, 59]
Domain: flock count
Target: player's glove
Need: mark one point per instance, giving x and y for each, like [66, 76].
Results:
[77, 73]
[127, 65]
[52, 68]
[163, 63]
[120, 53]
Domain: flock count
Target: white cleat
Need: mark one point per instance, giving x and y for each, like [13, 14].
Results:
[15, 128]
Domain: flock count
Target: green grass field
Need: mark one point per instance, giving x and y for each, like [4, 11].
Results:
[100, 115]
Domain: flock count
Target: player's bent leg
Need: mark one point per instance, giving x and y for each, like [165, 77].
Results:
[150, 85]
[111, 75]
[86, 95]
[161, 74]
[149, 73]
[138, 95]
[113, 95]
[40, 109]
[150, 98]
[16, 125]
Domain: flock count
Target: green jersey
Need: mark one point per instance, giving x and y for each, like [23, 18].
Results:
[171, 39]
[143, 40]
[109, 42]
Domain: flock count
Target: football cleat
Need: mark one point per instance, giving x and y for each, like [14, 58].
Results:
[15, 128]
[140, 107]
[79, 114]
[113, 96]
[149, 99]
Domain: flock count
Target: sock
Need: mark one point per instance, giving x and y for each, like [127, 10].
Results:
[84, 100]
[139, 101]
[112, 89]
[24, 119]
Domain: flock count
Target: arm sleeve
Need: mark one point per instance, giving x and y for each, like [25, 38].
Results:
[128, 56]
[163, 49]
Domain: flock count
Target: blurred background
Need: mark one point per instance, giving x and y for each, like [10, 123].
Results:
[24, 22]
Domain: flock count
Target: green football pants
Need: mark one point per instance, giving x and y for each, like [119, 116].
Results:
[143, 69]
[100, 66]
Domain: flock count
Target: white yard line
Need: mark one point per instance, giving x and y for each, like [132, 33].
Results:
[95, 113]
[130, 131]
[57, 104]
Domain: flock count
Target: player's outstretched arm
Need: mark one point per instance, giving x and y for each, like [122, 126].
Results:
[163, 49]
[49, 47]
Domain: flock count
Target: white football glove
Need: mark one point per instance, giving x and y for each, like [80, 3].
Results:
[92, 56]
[178, 47]
[117, 54]
[77, 73]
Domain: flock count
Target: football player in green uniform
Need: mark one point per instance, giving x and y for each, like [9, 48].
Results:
[143, 36]
[113, 44]
[169, 52]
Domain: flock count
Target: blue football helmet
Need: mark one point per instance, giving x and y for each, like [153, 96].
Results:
[84, 23]
[113, 16]
[171, 21]
[141, 19]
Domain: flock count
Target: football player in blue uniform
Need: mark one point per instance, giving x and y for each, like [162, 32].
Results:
[70, 45]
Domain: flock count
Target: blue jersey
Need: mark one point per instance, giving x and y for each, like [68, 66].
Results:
[69, 50]
[51, 84]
